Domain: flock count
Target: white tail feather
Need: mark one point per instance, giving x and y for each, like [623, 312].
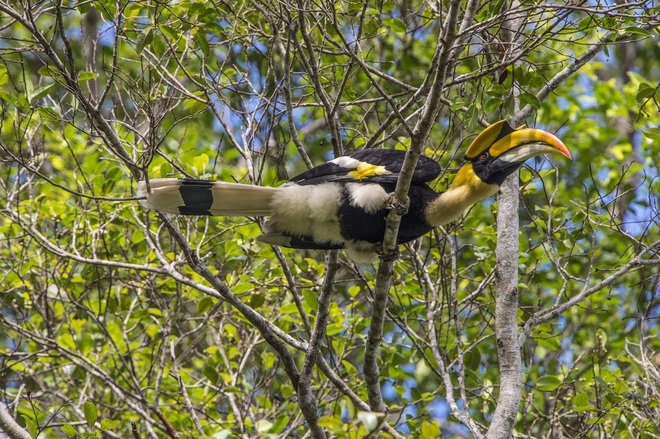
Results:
[192, 197]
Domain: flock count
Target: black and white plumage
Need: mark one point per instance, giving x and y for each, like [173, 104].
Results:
[343, 203]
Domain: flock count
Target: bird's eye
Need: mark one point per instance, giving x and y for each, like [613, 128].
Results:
[483, 157]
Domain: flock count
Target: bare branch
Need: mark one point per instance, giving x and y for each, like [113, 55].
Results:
[9, 426]
[307, 401]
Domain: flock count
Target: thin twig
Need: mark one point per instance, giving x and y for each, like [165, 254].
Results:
[306, 399]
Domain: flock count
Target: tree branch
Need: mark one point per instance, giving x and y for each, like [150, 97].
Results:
[253, 317]
[506, 308]
[420, 136]
[312, 68]
[306, 399]
[9, 426]
[556, 310]
[288, 99]
[506, 280]
[577, 64]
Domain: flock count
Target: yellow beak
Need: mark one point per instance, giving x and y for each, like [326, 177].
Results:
[522, 144]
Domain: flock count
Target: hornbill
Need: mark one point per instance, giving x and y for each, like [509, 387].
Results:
[342, 204]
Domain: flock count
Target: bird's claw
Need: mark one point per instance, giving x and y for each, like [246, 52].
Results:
[387, 256]
[394, 204]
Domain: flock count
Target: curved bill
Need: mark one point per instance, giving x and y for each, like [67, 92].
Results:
[523, 144]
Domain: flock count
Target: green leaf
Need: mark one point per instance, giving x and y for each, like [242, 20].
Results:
[69, 430]
[4, 76]
[86, 76]
[67, 341]
[204, 305]
[494, 7]
[29, 87]
[430, 429]
[547, 383]
[492, 104]
[232, 389]
[548, 341]
[652, 133]
[144, 38]
[264, 425]
[30, 425]
[606, 386]
[350, 369]
[90, 412]
[371, 25]
[497, 90]
[334, 328]
[471, 118]
[280, 424]
[210, 373]
[193, 105]
[645, 91]
[169, 32]
[352, 7]
[222, 434]
[529, 99]
[208, 15]
[602, 336]
[354, 290]
[109, 424]
[329, 422]
[289, 308]
[585, 23]
[256, 300]
[472, 360]
[41, 92]
[311, 299]
[153, 330]
[637, 31]
[202, 43]
[242, 287]
[395, 24]
[158, 45]
[580, 400]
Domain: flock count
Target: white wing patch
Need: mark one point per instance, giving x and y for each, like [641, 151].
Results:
[370, 197]
[345, 162]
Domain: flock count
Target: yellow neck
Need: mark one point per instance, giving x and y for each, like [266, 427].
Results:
[466, 190]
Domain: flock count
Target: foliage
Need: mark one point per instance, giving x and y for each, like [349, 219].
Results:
[108, 330]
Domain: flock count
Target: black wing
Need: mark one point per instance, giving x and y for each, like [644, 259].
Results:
[427, 169]
[368, 165]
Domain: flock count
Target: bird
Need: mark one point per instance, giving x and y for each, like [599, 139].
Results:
[343, 203]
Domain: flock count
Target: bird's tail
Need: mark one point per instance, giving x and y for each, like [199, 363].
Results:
[200, 197]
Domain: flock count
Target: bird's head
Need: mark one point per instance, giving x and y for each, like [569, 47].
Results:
[493, 155]
[499, 150]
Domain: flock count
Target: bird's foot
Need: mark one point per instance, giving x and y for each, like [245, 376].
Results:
[387, 256]
[401, 207]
